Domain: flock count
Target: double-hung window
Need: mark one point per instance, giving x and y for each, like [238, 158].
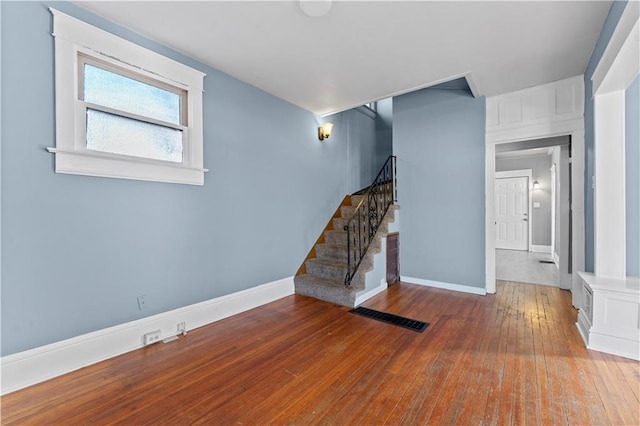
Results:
[122, 110]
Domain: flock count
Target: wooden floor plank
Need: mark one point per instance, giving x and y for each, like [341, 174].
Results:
[629, 373]
[426, 387]
[552, 359]
[510, 358]
[398, 373]
[457, 389]
[506, 401]
[548, 397]
[486, 368]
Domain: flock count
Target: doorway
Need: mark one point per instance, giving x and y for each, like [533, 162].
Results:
[533, 114]
[548, 256]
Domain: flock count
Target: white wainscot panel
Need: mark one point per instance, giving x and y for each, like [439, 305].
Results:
[493, 112]
[609, 319]
[559, 101]
[619, 315]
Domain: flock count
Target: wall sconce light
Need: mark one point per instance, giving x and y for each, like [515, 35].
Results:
[324, 131]
[536, 185]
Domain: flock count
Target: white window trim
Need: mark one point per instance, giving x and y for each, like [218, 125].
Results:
[73, 37]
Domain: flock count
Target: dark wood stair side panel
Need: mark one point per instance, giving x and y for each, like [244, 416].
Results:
[346, 201]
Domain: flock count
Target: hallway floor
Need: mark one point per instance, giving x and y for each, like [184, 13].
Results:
[525, 267]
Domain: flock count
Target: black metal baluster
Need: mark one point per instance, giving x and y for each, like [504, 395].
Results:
[381, 194]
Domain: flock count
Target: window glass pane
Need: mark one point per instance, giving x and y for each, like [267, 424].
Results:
[121, 135]
[113, 90]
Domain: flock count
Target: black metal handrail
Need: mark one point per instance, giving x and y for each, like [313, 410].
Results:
[368, 214]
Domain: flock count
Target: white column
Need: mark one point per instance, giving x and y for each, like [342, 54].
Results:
[609, 198]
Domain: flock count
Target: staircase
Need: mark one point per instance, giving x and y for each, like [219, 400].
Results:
[336, 267]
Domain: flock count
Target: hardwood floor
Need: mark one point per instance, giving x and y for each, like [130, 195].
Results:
[510, 358]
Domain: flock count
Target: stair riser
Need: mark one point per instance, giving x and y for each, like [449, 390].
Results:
[358, 281]
[347, 211]
[330, 272]
[375, 243]
[339, 295]
[338, 249]
[340, 253]
[335, 237]
[339, 223]
[372, 200]
[324, 251]
[339, 236]
[339, 270]
[355, 200]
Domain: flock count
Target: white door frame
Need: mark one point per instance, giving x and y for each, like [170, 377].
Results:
[553, 212]
[520, 173]
[549, 110]
[577, 184]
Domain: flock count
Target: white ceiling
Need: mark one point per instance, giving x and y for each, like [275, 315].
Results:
[361, 51]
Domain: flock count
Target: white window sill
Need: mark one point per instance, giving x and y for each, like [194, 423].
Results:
[93, 163]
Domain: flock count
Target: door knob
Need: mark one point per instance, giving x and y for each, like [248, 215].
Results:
[525, 219]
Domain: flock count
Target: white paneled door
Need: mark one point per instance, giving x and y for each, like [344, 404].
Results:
[512, 201]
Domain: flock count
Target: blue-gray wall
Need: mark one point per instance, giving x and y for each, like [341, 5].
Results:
[632, 177]
[77, 251]
[438, 137]
[605, 35]
[362, 133]
[384, 129]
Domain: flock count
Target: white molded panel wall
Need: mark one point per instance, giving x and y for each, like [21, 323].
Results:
[558, 101]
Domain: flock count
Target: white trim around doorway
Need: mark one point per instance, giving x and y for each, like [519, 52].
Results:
[538, 118]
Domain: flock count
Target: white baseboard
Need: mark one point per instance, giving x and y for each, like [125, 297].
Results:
[541, 249]
[46, 362]
[583, 327]
[615, 345]
[446, 286]
[361, 298]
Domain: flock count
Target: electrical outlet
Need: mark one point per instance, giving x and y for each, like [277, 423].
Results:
[151, 338]
[142, 302]
[182, 327]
